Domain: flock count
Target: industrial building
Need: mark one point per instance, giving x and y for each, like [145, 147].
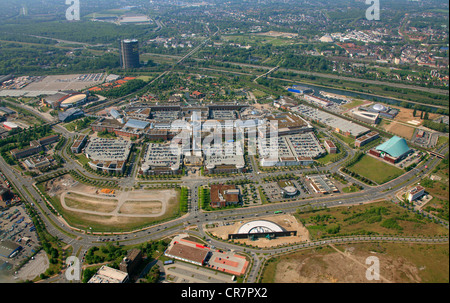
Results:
[317, 101]
[337, 124]
[188, 251]
[129, 53]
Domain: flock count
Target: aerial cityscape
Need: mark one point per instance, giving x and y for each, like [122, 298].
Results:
[224, 143]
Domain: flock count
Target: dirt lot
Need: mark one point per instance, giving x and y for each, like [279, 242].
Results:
[399, 263]
[400, 129]
[405, 115]
[141, 207]
[85, 206]
[288, 222]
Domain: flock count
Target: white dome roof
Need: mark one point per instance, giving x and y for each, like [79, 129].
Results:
[259, 226]
[379, 107]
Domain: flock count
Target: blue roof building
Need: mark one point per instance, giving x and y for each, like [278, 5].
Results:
[138, 124]
[70, 114]
[395, 147]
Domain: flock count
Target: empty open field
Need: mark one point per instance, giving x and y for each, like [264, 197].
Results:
[381, 218]
[147, 207]
[78, 201]
[83, 207]
[399, 129]
[399, 263]
[376, 170]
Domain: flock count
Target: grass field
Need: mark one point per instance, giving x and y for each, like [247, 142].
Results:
[353, 104]
[376, 170]
[348, 140]
[381, 218]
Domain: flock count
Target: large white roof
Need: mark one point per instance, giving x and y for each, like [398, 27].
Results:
[259, 226]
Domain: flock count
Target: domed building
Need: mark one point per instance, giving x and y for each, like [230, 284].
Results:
[379, 107]
[382, 110]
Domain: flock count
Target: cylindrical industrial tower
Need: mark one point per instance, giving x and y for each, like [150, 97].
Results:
[129, 53]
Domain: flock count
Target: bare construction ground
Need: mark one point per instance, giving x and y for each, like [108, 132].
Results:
[85, 206]
[146, 207]
[288, 222]
[399, 263]
[143, 203]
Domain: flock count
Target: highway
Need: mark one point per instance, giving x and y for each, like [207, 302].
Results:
[82, 241]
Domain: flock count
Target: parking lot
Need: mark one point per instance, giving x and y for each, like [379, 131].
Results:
[181, 272]
[17, 227]
[274, 192]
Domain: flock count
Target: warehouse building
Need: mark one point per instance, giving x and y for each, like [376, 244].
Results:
[337, 124]
[188, 251]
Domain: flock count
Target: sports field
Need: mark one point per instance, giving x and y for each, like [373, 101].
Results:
[376, 170]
